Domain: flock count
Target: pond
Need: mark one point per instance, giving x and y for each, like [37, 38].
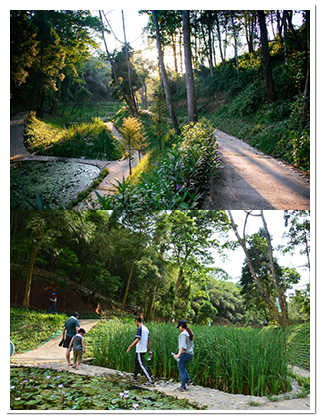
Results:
[47, 389]
[64, 180]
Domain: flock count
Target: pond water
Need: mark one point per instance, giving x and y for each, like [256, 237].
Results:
[65, 179]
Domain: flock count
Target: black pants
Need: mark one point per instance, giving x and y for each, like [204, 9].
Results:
[139, 364]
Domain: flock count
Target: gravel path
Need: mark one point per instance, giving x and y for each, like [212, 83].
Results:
[17, 149]
[50, 355]
[248, 179]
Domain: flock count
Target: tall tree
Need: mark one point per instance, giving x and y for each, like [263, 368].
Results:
[235, 40]
[111, 61]
[191, 95]
[164, 76]
[268, 81]
[282, 316]
[134, 103]
[55, 45]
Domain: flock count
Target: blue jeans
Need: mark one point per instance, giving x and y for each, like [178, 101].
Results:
[182, 364]
[53, 308]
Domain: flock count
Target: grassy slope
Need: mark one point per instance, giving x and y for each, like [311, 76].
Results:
[298, 342]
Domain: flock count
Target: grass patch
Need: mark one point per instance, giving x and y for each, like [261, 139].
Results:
[87, 140]
[29, 329]
[298, 344]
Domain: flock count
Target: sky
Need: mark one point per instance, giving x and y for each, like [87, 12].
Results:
[134, 23]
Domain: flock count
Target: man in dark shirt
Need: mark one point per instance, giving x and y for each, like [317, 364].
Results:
[71, 328]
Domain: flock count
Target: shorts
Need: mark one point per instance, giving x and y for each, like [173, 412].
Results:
[67, 341]
[77, 356]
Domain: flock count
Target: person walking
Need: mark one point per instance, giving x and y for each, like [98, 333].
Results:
[185, 354]
[77, 343]
[142, 341]
[53, 299]
[70, 329]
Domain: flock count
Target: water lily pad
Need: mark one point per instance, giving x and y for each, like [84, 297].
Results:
[57, 181]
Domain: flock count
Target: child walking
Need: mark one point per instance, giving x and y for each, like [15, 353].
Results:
[77, 343]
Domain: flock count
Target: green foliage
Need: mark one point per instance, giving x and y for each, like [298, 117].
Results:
[85, 140]
[234, 360]
[48, 64]
[298, 344]
[29, 329]
[206, 312]
[46, 389]
[287, 277]
[178, 180]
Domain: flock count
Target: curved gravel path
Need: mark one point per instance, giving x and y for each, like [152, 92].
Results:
[248, 179]
[50, 355]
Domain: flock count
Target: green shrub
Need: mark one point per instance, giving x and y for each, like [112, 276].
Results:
[85, 140]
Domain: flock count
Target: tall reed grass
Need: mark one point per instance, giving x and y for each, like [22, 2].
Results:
[234, 360]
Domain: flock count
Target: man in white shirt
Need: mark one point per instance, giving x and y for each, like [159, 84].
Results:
[142, 341]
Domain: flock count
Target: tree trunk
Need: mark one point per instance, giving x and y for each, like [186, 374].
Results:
[235, 41]
[272, 307]
[210, 50]
[191, 96]
[179, 280]
[26, 302]
[219, 39]
[280, 293]
[134, 104]
[174, 50]
[164, 77]
[268, 83]
[129, 279]
[285, 48]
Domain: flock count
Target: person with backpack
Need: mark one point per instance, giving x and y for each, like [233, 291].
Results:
[70, 329]
[185, 354]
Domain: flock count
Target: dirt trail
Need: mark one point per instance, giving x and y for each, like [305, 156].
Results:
[248, 179]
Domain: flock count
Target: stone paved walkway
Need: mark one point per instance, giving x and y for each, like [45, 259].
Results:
[50, 355]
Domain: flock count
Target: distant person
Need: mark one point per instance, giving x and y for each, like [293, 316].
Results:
[185, 353]
[53, 299]
[77, 343]
[141, 342]
[70, 329]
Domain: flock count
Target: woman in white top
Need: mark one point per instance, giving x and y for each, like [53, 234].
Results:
[185, 353]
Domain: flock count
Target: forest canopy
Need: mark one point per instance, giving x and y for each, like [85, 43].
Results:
[162, 264]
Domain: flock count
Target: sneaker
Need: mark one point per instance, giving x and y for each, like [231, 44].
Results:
[134, 379]
[149, 384]
[189, 383]
[181, 388]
